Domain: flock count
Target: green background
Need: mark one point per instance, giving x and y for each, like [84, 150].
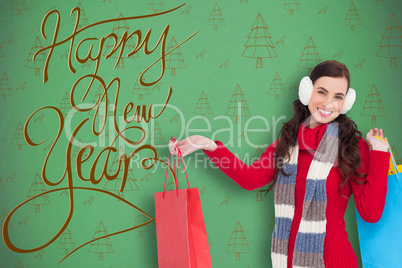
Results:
[203, 55]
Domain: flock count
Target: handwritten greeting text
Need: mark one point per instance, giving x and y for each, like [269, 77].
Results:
[141, 113]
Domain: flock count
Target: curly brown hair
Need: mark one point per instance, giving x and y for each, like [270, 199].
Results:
[349, 154]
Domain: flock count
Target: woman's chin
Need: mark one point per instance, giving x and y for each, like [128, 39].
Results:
[323, 120]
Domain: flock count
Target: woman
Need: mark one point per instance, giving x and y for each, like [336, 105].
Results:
[320, 160]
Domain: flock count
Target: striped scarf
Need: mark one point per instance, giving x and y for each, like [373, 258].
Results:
[309, 245]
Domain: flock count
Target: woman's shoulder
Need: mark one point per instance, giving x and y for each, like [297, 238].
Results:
[274, 144]
[363, 145]
[271, 149]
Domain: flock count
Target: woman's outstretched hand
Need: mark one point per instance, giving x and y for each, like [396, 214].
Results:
[377, 144]
[191, 144]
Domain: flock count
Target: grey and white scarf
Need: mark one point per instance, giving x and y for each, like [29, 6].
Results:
[309, 245]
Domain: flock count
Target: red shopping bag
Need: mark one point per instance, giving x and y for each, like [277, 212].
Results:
[180, 230]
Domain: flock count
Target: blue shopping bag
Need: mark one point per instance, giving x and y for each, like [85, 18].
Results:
[381, 242]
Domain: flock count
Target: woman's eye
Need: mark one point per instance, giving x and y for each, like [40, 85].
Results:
[321, 92]
[340, 98]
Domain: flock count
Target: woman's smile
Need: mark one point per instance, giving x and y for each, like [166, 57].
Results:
[323, 112]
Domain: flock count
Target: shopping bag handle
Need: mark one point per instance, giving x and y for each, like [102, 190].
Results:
[392, 157]
[176, 172]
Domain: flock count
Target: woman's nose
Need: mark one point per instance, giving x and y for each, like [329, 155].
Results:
[331, 105]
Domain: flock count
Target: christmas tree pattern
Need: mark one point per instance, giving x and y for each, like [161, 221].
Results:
[155, 5]
[352, 17]
[391, 43]
[83, 20]
[3, 216]
[19, 5]
[203, 106]
[1, 52]
[19, 264]
[215, 17]
[398, 159]
[291, 5]
[174, 60]
[140, 90]
[259, 196]
[38, 187]
[309, 58]
[115, 184]
[5, 86]
[238, 242]
[120, 27]
[65, 106]
[259, 44]
[66, 241]
[157, 136]
[140, 219]
[238, 105]
[373, 105]
[18, 138]
[102, 245]
[40, 59]
[277, 87]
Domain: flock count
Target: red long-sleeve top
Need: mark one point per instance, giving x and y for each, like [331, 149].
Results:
[369, 197]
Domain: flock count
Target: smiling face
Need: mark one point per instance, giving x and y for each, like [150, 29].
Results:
[327, 99]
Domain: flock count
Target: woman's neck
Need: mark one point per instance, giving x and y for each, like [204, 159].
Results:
[311, 123]
[314, 125]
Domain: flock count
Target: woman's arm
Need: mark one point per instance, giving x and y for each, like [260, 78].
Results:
[370, 197]
[258, 174]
